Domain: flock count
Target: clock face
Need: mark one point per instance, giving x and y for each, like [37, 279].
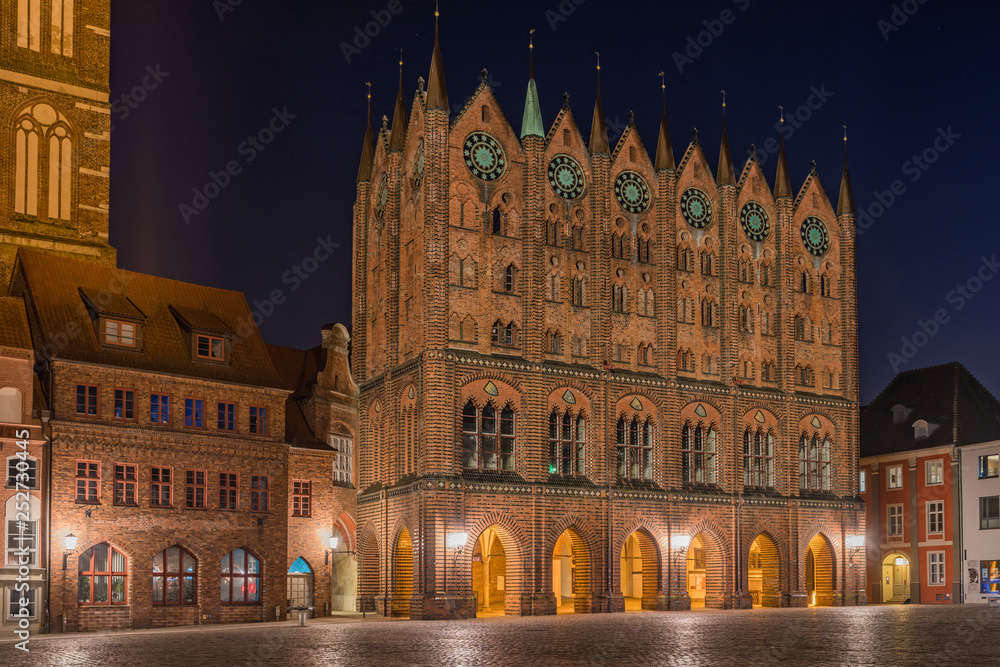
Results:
[696, 208]
[755, 221]
[566, 177]
[814, 236]
[484, 156]
[632, 192]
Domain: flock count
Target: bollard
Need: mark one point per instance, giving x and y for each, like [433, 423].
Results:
[302, 618]
[64, 623]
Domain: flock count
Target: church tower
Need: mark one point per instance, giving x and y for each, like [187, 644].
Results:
[594, 378]
[55, 129]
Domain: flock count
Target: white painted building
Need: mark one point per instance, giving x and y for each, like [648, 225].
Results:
[980, 492]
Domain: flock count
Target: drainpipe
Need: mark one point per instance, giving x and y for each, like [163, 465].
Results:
[45, 416]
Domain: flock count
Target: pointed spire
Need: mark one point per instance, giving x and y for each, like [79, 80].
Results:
[846, 204]
[398, 137]
[726, 175]
[664, 150]
[782, 181]
[598, 130]
[368, 150]
[531, 125]
[437, 91]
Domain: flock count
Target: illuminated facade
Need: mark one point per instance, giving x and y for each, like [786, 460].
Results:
[609, 381]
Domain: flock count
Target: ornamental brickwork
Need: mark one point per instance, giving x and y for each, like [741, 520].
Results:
[639, 383]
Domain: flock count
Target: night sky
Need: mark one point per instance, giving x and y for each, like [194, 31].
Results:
[908, 80]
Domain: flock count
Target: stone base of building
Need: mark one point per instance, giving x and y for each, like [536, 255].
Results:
[393, 606]
[679, 602]
[798, 599]
[541, 604]
[616, 604]
[433, 607]
[739, 601]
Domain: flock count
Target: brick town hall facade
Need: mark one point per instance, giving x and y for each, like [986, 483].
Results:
[594, 381]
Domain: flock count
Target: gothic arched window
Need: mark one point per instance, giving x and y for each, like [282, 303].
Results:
[567, 443]
[698, 453]
[634, 439]
[487, 438]
[758, 457]
[814, 462]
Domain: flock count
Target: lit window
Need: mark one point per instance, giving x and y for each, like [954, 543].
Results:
[103, 576]
[862, 481]
[342, 463]
[175, 577]
[989, 578]
[119, 333]
[210, 347]
[895, 477]
[240, 578]
[935, 472]
[22, 531]
[14, 607]
[62, 27]
[989, 466]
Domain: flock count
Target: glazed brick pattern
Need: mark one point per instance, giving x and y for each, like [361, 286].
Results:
[85, 236]
[407, 293]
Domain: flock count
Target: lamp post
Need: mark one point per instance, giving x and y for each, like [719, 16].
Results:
[678, 545]
[854, 544]
[70, 543]
[455, 542]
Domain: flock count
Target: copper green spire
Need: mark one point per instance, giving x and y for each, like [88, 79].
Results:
[368, 150]
[531, 125]
[726, 175]
[782, 182]
[664, 151]
[846, 203]
[398, 136]
[598, 129]
[437, 91]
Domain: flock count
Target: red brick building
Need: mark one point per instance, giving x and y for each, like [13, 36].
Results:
[190, 498]
[597, 378]
[911, 481]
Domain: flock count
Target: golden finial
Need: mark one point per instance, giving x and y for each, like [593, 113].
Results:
[368, 83]
[400, 60]
[663, 80]
[845, 132]
[437, 6]
[531, 38]
[598, 54]
[723, 99]
[531, 53]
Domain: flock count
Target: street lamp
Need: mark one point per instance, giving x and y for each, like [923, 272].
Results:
[70, 543]
[334, 540]
[678, 544]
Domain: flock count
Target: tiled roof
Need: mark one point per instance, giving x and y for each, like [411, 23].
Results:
[14, 324]
[297, 370]
[201, 320]
[110, 303]
[53, 287]
[957, 408]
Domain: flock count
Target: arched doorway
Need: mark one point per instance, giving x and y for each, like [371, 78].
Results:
[571, 573]
[895, 578]
[300, 584]
[369, 562]
[640, 571]
[820, 572]
[343, 567]
[705, 572]
[489, 573]
[764, 572]
[402, 570]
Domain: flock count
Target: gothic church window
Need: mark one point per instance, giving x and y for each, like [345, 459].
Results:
[758, 457]
[62, 27]
[698, 453]
[634, 439]
[43, 163]
[510, 279]
[487, 437]
[814, 462]
[567, 443]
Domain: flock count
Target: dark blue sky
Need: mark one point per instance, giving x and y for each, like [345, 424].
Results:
[905, 89]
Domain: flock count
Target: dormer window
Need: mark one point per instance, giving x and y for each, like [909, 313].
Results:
[210, 347]
[121, 333]
[920, 429]
[900, 413]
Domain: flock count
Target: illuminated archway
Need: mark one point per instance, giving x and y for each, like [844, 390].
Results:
[764, 572]
[705, 572]
[402, 570]
[640, 571]
[571, 573]
[895, 577]
[821, 572]
[489, 573]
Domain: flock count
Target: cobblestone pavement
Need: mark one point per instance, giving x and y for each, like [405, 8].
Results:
[884, 635]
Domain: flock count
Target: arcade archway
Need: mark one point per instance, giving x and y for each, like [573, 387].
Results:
[640, 571]
[571, 573]
[489, 573]
[764, 572]
[705, 572]
[820, 572]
